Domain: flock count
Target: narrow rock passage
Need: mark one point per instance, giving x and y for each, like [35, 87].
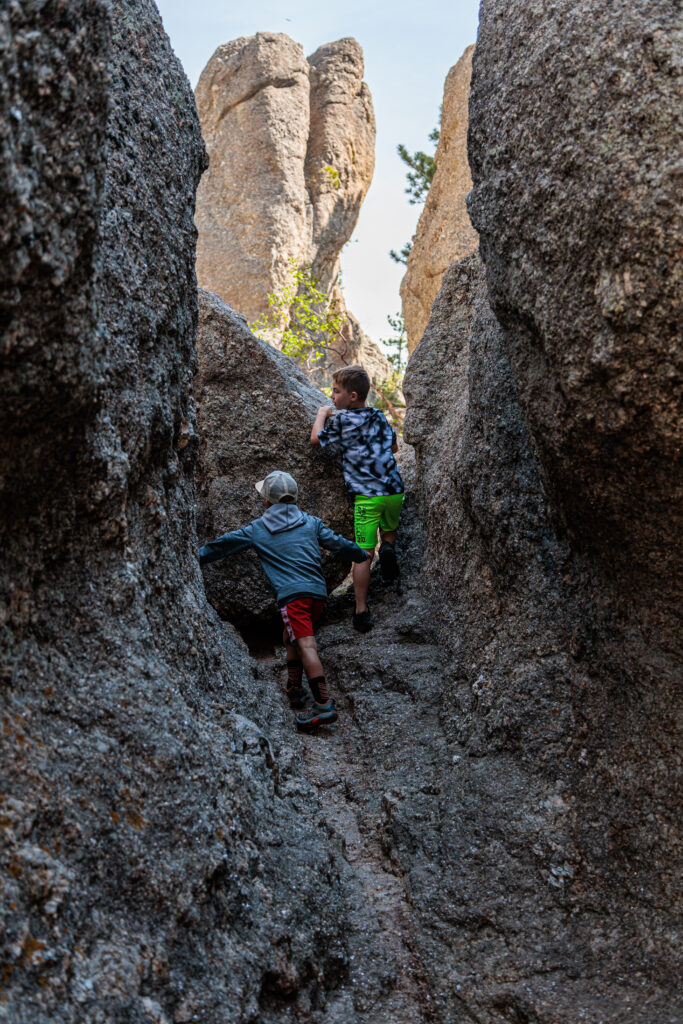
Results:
[386, 687]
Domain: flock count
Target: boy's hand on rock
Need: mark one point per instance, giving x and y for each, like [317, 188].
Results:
[325, 411]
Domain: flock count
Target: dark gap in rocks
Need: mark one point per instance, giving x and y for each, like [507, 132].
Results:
[263, 637]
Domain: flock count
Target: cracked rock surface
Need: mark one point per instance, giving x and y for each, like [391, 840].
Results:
[158, 861]
[490, 832]
[576, 183]
[557, 852]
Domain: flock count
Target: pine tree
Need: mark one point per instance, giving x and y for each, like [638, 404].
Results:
[419, 177]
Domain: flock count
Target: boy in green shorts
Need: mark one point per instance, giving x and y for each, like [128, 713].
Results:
[366, 442]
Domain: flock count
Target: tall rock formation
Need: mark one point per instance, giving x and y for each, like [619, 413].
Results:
[553, 537]
[291, 155]
[156, 863]
[577, 205]
[444, 231]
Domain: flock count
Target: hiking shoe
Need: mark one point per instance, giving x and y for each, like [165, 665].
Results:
[362, 621]
[388, 562]
[319, 714]
[296, 696]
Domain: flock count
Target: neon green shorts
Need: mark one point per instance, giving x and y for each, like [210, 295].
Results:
[384, 511]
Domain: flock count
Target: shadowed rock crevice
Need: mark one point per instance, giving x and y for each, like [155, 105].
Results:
[490, 833]
[381, 757]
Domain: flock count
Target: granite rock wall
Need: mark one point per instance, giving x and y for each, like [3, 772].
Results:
[552, 527]
[554, 896]
[161, 859]
[575, 198]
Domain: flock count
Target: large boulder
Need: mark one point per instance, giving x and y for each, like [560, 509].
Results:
[156, 862]
[444, 232]
[291, 147]
[576, 197]
[548, 472]
[553, 896]
[256, 410]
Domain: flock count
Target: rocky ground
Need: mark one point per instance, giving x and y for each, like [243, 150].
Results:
[381, 756]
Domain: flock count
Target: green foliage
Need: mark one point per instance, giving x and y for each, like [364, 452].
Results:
[398, 343]
[388, 393]
[388, 396]
[332, 175]
[402, 256]
[301, 317]
[419, 177]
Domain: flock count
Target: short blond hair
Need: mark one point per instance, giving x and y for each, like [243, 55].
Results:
[353, 378]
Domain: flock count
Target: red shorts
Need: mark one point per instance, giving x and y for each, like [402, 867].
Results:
[300, 616]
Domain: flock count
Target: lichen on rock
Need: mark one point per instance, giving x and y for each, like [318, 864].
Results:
[552, 530]
[161, 859]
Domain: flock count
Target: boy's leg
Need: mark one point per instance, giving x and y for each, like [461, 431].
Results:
[366, 516]
[361, 581]
[323, 711]
[295, 667]
[391, 511]
[313, 667]
[290, 647]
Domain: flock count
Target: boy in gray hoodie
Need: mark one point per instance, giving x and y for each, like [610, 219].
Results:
[287, 542]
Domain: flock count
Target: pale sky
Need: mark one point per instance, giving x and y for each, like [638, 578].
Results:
[409, 48]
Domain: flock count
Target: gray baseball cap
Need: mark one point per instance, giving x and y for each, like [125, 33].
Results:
[278, 487]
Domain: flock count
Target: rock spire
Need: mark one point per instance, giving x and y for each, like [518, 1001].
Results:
[444, 231]
[291, 155]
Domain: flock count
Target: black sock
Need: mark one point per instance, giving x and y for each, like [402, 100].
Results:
[295, 672]
[319, 689]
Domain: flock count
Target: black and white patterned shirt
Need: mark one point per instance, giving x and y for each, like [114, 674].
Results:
[364, 439]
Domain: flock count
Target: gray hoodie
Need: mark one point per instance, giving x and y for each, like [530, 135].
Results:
[287, 542]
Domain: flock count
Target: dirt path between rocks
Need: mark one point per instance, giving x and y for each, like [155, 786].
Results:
[363, 768]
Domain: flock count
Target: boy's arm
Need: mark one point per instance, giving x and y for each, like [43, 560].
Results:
[228, 544]
[394, 439]
[335, 542]
[322, 415]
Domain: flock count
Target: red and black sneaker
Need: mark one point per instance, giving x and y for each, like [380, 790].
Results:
[318, 714]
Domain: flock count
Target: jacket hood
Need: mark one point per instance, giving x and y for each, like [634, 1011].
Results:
[282, 517]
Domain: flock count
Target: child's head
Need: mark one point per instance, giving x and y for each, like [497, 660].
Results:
[278, 488]
[350, 387]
